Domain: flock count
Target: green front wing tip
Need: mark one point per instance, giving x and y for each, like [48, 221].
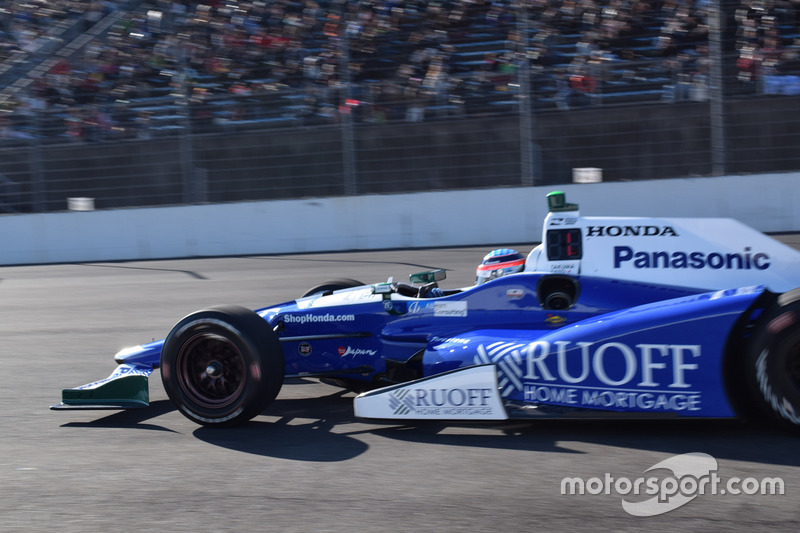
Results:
[124, 392]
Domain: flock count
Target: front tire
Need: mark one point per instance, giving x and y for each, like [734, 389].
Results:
[222, 366]
[324, 289]
[773, 362]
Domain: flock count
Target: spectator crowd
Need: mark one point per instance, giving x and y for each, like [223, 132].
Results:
[377, 60]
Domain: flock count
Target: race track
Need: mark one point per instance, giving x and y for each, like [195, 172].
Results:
[307, 464]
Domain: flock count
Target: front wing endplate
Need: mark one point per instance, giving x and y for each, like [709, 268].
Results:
[126, 388]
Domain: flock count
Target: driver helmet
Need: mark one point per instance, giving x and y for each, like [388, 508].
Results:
[498, 263]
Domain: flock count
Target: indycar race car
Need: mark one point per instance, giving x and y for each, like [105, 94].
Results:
[610, 317]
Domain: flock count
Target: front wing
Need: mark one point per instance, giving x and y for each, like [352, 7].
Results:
[125, 388]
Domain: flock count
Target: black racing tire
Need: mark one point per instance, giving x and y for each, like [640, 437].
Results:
[324, 289]
[222, 366]
[773, 361]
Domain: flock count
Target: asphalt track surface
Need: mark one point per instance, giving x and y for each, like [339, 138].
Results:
[306, 464]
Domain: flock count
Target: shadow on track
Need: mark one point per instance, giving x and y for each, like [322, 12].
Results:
[330, 434]
[314, 441]
[724, 439]
[323, 429]
[131, 418]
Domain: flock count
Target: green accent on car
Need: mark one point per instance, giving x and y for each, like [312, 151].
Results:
[557, 202]
[124, 392]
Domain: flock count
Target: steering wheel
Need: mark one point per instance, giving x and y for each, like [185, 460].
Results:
[424, 291]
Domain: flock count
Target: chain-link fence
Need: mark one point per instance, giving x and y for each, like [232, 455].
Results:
[520, 93]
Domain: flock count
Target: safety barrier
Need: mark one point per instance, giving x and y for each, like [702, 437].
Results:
[766, 202]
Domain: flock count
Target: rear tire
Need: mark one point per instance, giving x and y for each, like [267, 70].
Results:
[324, 289]
[773, 363]
[222, 366]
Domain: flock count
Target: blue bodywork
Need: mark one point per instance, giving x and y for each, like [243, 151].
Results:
[614, 346]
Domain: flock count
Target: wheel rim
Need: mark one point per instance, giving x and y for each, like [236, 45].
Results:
[211, 370]
[793, 364]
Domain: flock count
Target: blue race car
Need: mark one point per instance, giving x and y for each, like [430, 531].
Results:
[579, 328]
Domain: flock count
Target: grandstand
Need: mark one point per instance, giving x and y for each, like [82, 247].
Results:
[134, 70]
[285, 62]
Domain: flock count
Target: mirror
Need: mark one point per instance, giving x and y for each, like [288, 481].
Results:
[429, 276]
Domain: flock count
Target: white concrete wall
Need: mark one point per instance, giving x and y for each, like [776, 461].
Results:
[482, 217]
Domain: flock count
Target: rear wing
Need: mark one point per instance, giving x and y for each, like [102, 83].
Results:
[707, 253]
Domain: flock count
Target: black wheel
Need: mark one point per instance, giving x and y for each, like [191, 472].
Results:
[773, 363]
[222, 366]
[324, 289]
